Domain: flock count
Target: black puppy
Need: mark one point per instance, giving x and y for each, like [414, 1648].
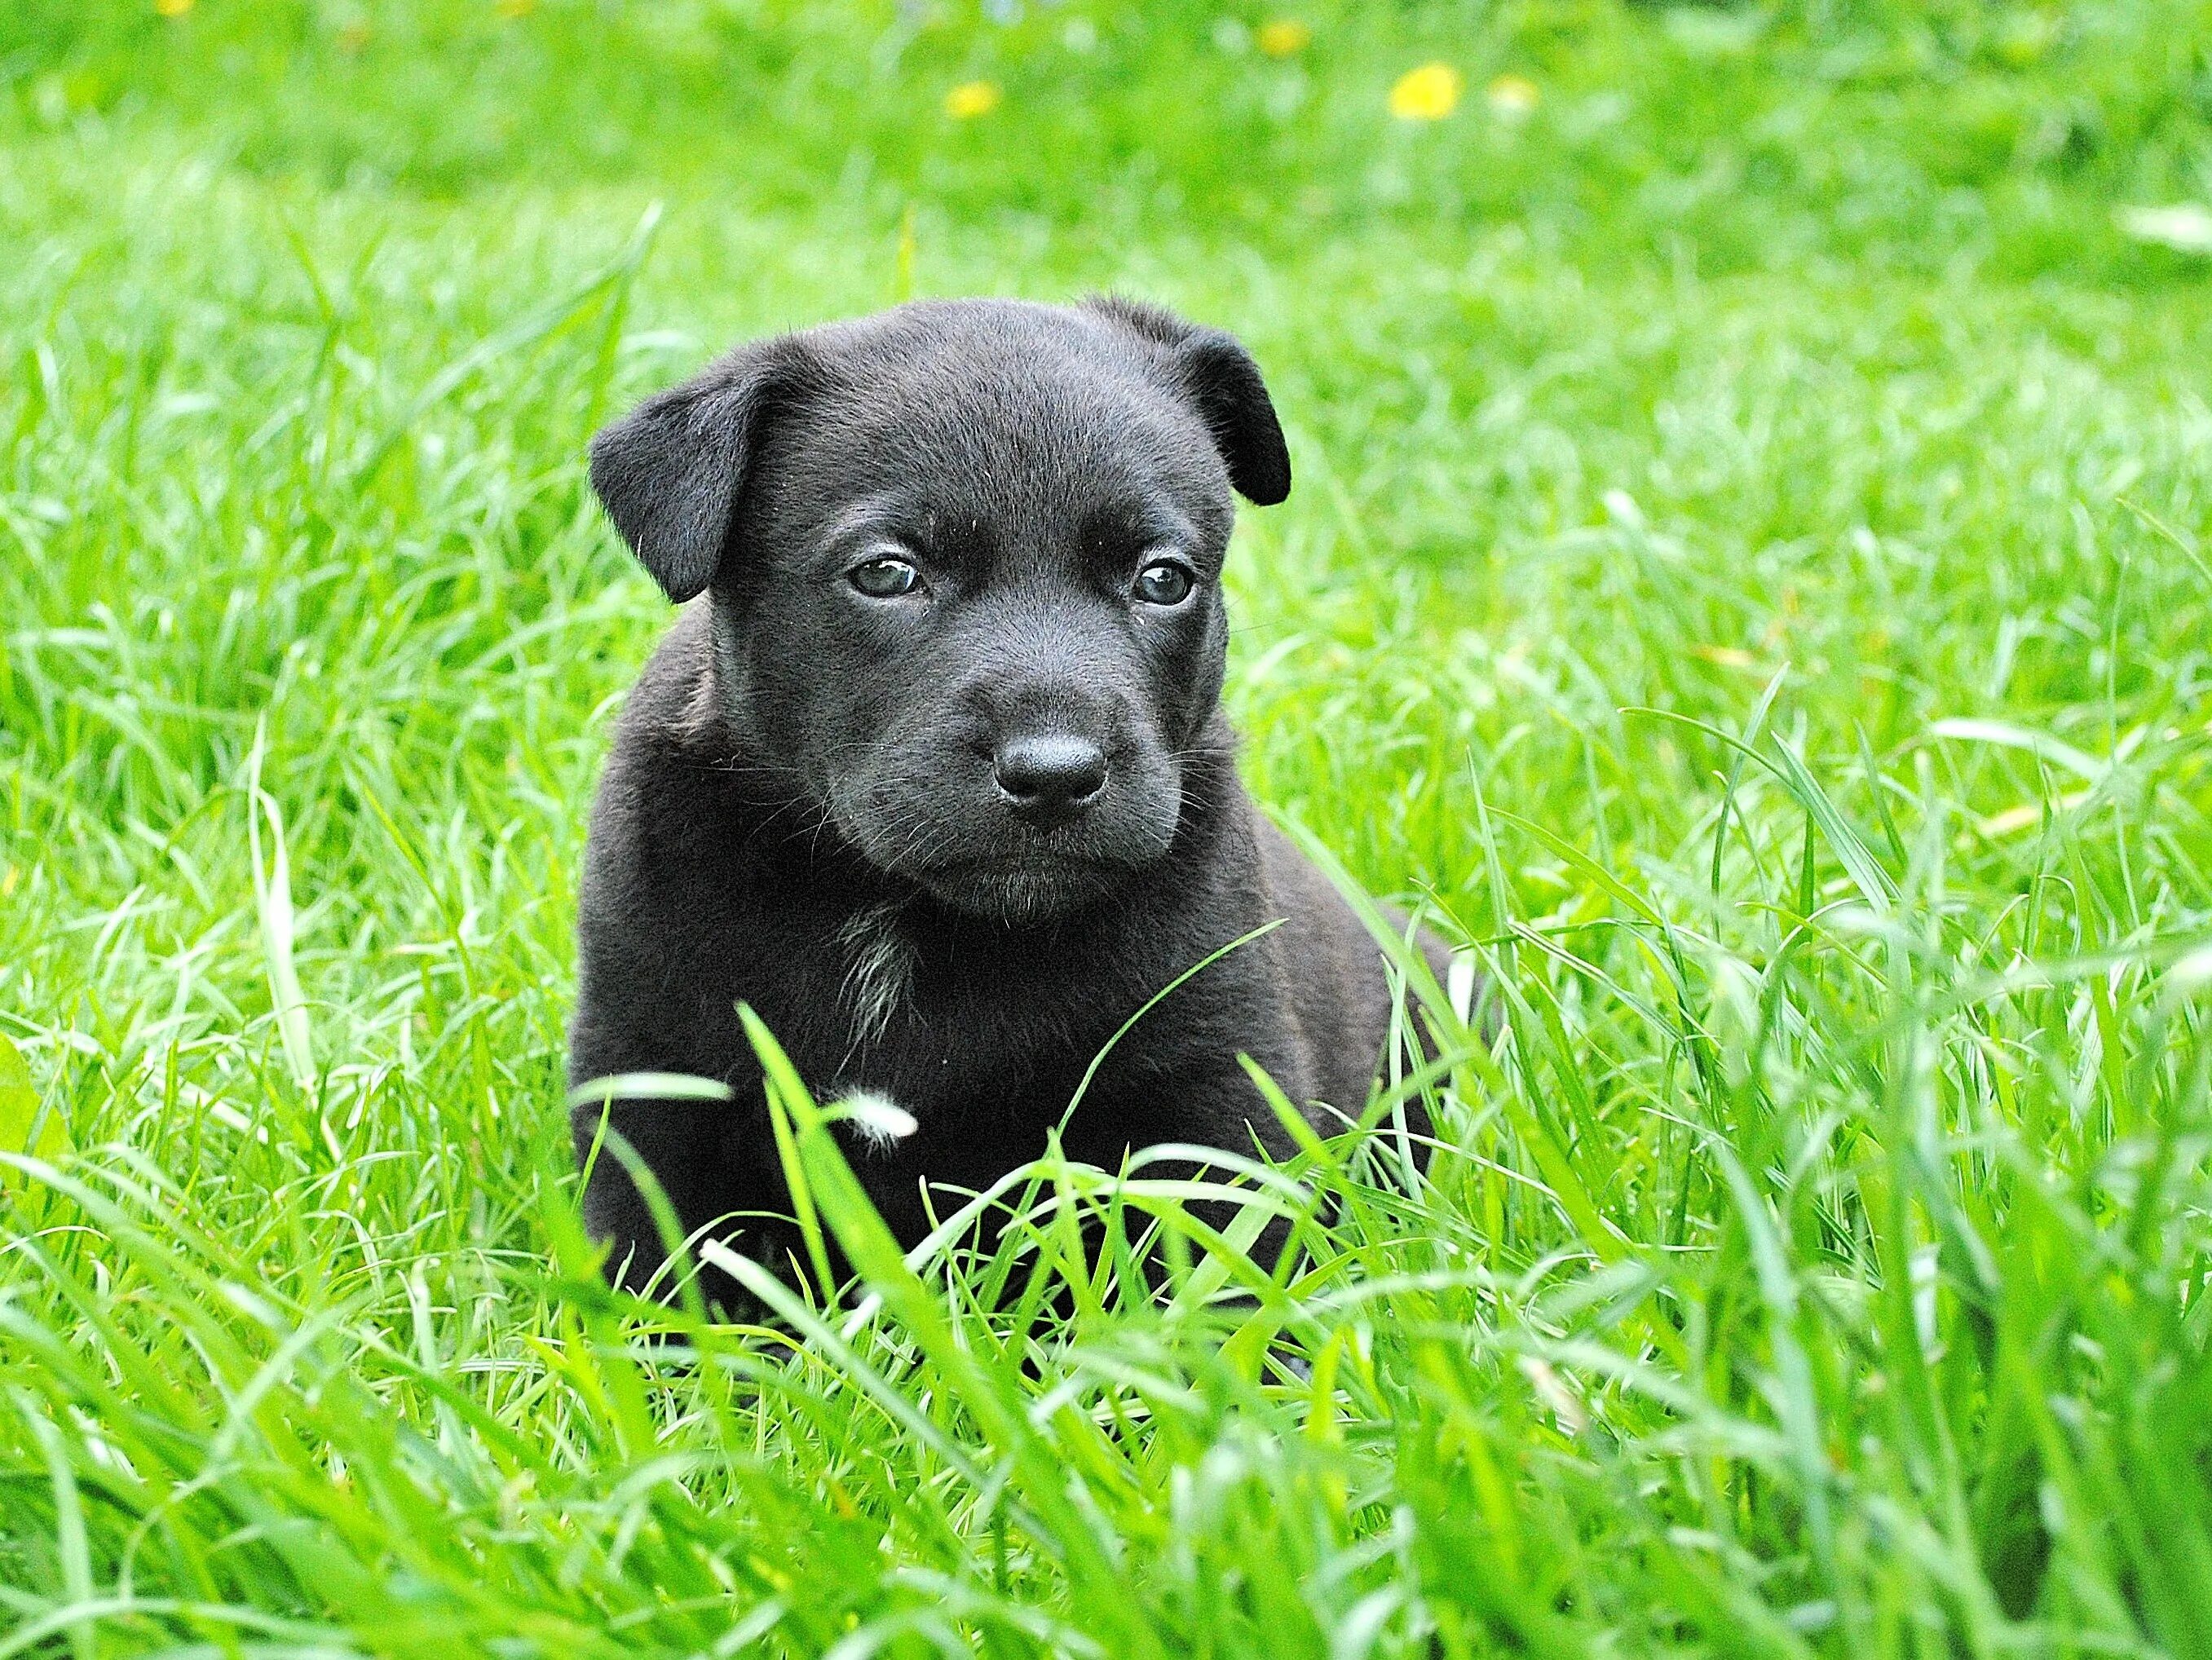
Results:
[937, 779]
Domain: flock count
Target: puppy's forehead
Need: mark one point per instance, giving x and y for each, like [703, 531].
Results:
[1007, 408]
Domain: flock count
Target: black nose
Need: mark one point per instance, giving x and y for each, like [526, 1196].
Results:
[1050, 778]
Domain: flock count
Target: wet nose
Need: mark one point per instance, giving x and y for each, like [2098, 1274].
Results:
[1048, 778]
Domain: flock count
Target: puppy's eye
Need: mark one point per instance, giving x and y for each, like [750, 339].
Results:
[1163, 582]
[886, 579]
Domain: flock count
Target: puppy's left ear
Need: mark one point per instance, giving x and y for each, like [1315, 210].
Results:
[1218, 374]
[669, 472]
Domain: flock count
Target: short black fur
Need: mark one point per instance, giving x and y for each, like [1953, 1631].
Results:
[946, 839]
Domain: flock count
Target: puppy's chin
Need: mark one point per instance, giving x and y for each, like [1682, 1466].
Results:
[1023, 893]
[1021, 878]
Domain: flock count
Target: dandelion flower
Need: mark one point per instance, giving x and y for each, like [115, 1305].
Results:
[1511, 97]
[171, 8]
[1427, 93]
[508, 10]
[971, 99]
[1284, 38]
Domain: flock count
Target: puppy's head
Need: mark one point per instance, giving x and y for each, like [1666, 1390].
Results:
[964, 560]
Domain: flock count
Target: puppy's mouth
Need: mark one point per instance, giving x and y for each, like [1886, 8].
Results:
[980, 862]
[1027, 886]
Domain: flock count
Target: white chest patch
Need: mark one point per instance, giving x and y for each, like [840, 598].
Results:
[881, 972]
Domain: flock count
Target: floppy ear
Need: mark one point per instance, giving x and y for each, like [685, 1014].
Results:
[1215, 372]
[669, 472]
[1224, 383]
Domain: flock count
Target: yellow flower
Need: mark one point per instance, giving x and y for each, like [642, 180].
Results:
[971, 99]
[1284, 37]
[509, 10]
[1427, 93]
[1510, 97]
[353, 37]
[171, 8]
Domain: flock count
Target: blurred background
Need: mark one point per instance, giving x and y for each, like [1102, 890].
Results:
[1914, 133]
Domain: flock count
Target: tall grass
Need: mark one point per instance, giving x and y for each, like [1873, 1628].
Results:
[1765, 617]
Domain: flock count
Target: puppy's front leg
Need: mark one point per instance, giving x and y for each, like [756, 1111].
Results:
[689, 1147]
[1215, 1105]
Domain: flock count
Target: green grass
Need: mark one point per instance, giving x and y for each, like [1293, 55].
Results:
[1749, 569]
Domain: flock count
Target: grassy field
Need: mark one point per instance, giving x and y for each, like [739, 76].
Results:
[1749, 570]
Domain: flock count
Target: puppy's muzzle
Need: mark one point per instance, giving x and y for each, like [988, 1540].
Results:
[1049, 779]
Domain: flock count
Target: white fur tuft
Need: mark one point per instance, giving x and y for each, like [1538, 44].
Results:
[882, 971]
[877, 1122]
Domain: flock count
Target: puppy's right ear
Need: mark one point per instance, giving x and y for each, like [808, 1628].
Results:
[669, 472]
